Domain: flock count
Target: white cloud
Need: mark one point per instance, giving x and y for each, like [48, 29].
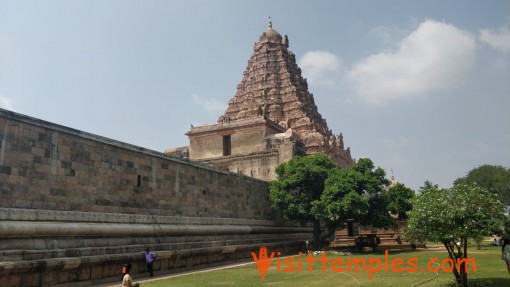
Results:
[209, 104]
[5, 103]
[497, 39]
[433, 57]
[319, 68]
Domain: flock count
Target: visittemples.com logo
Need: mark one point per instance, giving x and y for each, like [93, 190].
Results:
[373, 265]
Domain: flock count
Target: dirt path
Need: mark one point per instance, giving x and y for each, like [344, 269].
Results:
[436, 248]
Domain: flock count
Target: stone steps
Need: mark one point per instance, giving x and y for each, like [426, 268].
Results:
[20, 254]
[69, 263]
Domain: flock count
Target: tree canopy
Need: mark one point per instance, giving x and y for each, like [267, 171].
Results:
[356, 193]
[313, 189]
[300, 183]
[494, 178]
[299, 186]
[399, 200]
[452, 216]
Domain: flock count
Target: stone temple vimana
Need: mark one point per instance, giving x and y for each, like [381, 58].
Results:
[271, 118]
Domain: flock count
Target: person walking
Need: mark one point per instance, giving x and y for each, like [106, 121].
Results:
[150, 256]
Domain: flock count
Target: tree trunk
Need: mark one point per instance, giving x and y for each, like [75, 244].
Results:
[316, 234]
[458, 252]
[450, 247]
[463, 266]
[479, 243]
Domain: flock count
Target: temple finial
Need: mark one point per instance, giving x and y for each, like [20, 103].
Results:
[270, 26]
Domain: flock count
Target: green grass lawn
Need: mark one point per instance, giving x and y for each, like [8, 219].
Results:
[490, 272]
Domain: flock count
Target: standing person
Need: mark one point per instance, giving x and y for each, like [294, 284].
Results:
[149, 259]
[505, 250]
[127, 281]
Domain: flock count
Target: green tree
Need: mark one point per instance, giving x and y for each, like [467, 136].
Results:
[494, 178]
[452, 216]
[427, 185]
[356, 193]
[340, 199]
[504, 231]
[313, 189]
[299, 186]
[399, 200]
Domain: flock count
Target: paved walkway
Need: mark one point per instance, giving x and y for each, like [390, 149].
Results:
[167, 276]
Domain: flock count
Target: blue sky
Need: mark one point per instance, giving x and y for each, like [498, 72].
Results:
[420, 87]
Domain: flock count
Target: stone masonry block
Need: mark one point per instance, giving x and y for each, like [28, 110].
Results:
[96, 272]
[84, 273]
[5, 169]
[20, 203]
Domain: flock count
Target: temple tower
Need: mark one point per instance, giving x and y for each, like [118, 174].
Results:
[273, 87]
[271, 118]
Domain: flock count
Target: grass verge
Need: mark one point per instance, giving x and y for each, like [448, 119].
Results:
[414, 266]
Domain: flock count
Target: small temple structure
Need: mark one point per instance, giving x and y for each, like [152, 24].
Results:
[271, 118]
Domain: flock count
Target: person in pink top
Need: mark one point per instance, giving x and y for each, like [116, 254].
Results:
[149, 256]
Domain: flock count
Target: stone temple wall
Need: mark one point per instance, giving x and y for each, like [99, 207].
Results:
[75, 206]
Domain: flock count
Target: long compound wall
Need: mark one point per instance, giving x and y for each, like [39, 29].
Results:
[75, 206]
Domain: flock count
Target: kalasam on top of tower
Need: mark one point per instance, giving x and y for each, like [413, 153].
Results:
[271, 118]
